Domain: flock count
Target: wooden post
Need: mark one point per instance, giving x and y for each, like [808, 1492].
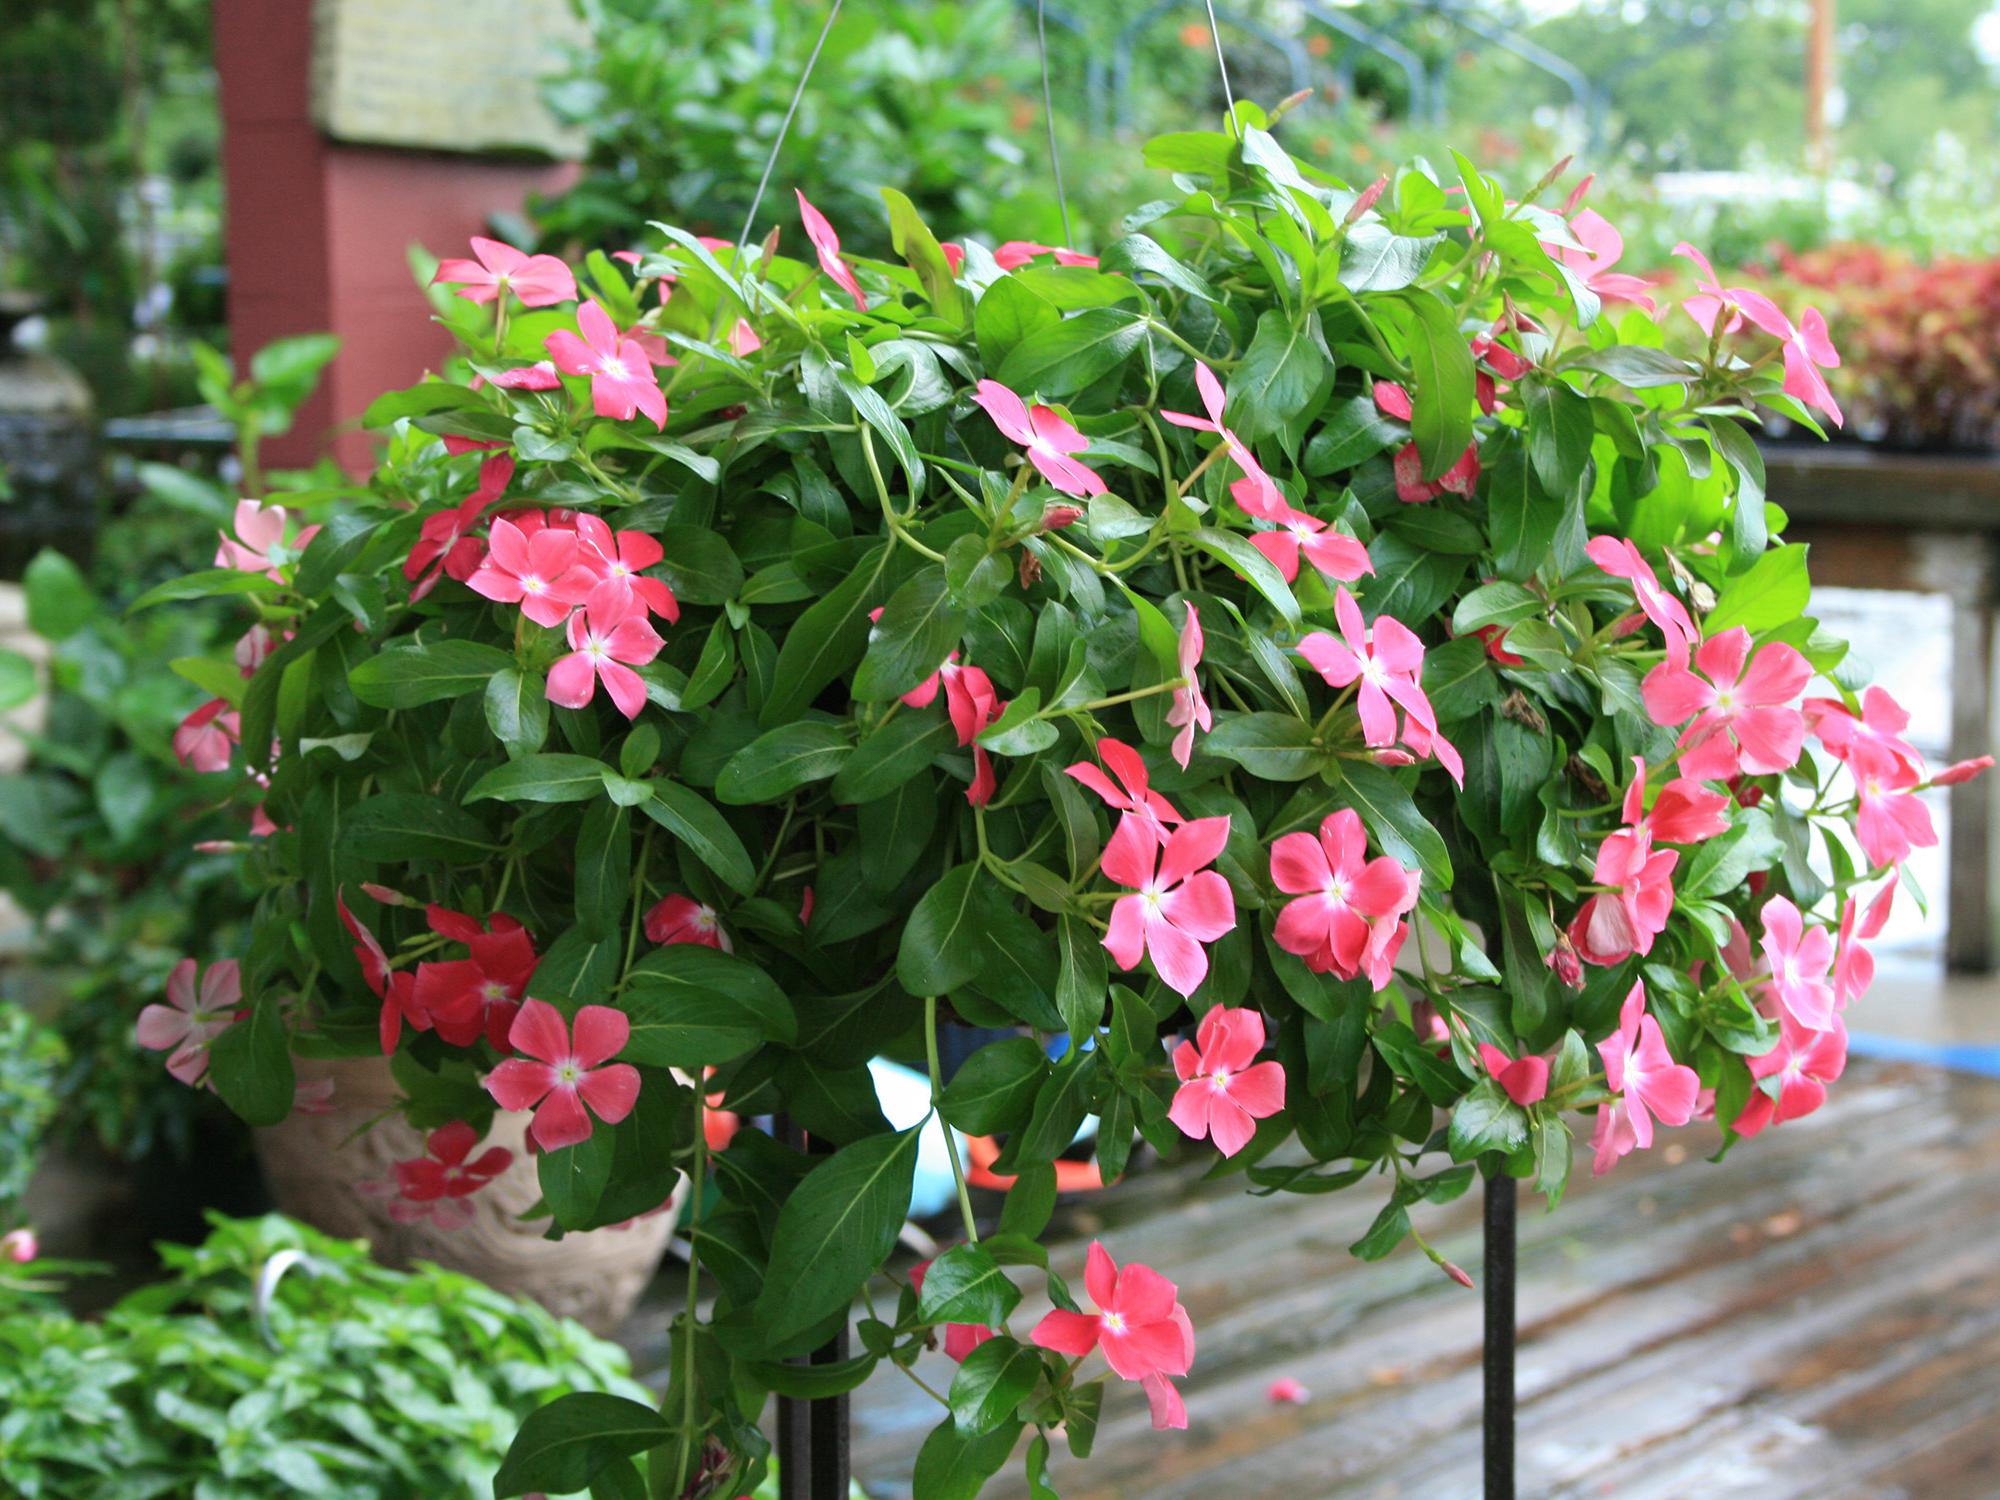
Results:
[1971, 881]
[1497, 1356]
[1819, 85]
[812, 1435]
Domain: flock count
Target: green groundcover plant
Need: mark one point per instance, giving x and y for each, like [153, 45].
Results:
[1318, 672]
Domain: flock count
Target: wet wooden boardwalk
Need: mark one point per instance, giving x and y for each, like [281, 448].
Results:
[1818, 1316]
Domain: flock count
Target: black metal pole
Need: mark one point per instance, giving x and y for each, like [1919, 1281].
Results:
[1499, 1351]
[812, 1435]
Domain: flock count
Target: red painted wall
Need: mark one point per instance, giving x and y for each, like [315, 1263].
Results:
[317, 232]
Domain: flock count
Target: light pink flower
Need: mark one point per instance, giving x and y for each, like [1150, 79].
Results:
[184, 1027]
[1808, 349]
[252, 647]
[827, 244]
[19, 1246]
[314, 1098]
[1342, 895]
[960, 1339]
[1610, 927]
[1190, 709]
[1285, 1391]
[1800, 958]
[1621, 559]
[1256, 492]
[743, 339]
[621, 561]
[622, 382]
[604, 647]
[1178, 904]
[1134, 793]
[1854, 965]
[1050, 440]
[1891, 818]
[1525, 1080]
[207, 737]
[681, 919]
[1388, 661]
[1140, 1324]
[1869, 737]
[1603, 248]
[1712, 300]
[1804, 1062]
[1638, 1065]
[544, 571]
[558, 1079]
[539, 376]
[1743, 719]
[259, 545]
[538, 280]
[1334, 553]
[1224, 1089]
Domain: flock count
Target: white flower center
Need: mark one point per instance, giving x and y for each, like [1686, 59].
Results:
[568, 1072]
[492, 991]
[1151, 895]
[593, 648]
[1114, 1322]
[533, 583]
[1219, 1079]
[613, 369]
[1336, 891]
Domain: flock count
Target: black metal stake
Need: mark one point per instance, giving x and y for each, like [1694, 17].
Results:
[1498, 1358]
[812, 1435]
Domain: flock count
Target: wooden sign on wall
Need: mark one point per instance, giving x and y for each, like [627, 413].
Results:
[442, 75]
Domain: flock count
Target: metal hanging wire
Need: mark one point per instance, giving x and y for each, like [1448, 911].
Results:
[785, 126]
[1222, 67]
[1049, 116]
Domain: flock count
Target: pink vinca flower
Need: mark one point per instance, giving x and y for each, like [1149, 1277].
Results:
[1525, 1080]
[19, 1246]
[259, 545]
[1854, 965]
[827, 244]
[539, 376]
[1134, 793]
[1803, 1062]
[1638, 1065]
[622, 382]
[1013, 254]
[620, 561]
[1256, 491]
[1140, 1325]
[960, 1339]
[445, 545]
[1800, 958]
[1462, 478]
[184, 1027]
[1050, 440]
[1178, 903]
[396, 989]
[1808, 350]
[437, 1185]
[207, 737]
[1621, 559]
[1891, 818]
[1611, 926]
[1189, 710]
[1388, 661]
[972, 704]
[1712, 299]
[543, 570]
[557, 1079]
[604, 647]
[1742, 719]
[1334, 553]
[478, 995]
[538, 280]
[1224, 1090]
[681, 919]
[1348, 906]
[1872, 737]
[1602, 248]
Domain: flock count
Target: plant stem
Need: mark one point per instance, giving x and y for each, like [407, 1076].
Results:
[950, 1144]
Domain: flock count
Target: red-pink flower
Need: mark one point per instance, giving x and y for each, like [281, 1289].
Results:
[437, 1185]
[1611, 926]
[1178, 903]
[827, 243]
[1960, 772]
[960, 1339]
[1014, 254]
[681, 919]
[1800, 958]
[1048, 438]
[1462, 478]
[539, 376]
[480, 994]
[184, 1027]
[1712, 300]
[1602, 248]
[1285, 1391]
[1872, 737]
[1804, 1062]
[1140, 1324]
[621, 560]
[207, 737]
[1808, 349]
[542, 570]
[1189, 709]
[622, 382]
[1638, 1065]
[1134, 793]
[1891, 818]
[1348, 906]
[397, 990]
[259, 545]
[444, 543]
[1525, 1080]
[1334, 553]
[604, 647]
[252, 647]
[1256, 492]
[969, 698]
[538, 280]
[743, 339]
[1621, 559]
[1743, 719]
[1224, 1089]
[1854, 965]
[1388, 662]
[557, 1078]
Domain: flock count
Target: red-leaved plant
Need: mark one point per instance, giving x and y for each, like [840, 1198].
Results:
[1319, 674]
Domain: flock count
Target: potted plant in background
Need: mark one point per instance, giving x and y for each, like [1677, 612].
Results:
[1322, 659]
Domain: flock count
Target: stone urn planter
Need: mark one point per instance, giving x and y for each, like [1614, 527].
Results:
[314, 1171]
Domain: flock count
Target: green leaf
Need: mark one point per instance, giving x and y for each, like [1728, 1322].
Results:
[396, 827]
[1141, 252]
[407, 676]
[1008, 312]
[1384, 1235]
[993, 1379]
[1227, 547]
[699, 566]
[892, 753]
[1560, 431]
[573, 1178]
[1278, 374]
[1020, 729]
[693, 1005]
[994, 1089]
[918, 629]
[205, 585]
[1060, 359]
[689, 817]
[1773, 592]
[824, 641]
[835, 1229]
[1392, 818]
[1270, 746]
[1521, 515]
[966, 1285]
[1373, 258]
[917, 245]
[814, 1382]
[603, 879]
[542, 778]
[251, 1065]
[1442, 367]
[19, 682]
[563, 1446]
[517, 711]
[943, 940]
[1082, 979]
[783, 760]
[1634, 365]
[1486, 1120]
[954, 1466]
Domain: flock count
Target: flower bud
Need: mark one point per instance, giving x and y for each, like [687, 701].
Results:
[1564, 960]
[1370, 196]
[1056, 517]
[385, 895]
[1456, 1273]
[1963, 771]
[19, 1246]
